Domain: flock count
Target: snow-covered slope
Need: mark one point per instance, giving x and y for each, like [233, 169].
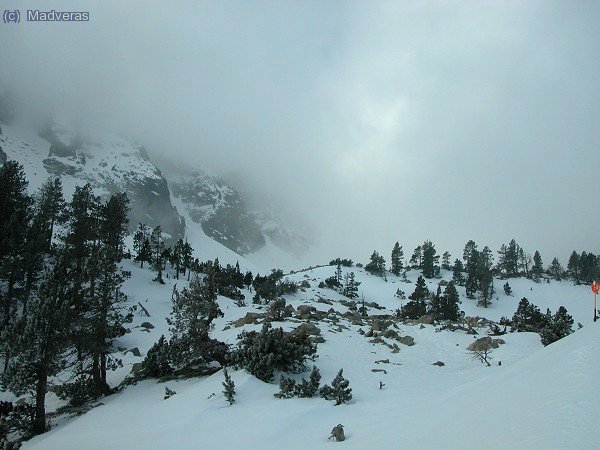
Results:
[540, 397]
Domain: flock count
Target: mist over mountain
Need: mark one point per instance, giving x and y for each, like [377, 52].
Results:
[393, 121]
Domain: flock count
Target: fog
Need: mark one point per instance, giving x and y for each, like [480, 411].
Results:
[370, 122]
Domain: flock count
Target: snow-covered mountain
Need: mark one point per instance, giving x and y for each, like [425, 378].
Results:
[114, 163]
[109, 162]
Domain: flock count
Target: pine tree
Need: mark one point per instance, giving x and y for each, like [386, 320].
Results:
[194, 309]
[507, 288]
[15, 213]
[157, 362]
[157, 244]
[51, 209]
[229, 387]
[538, 267]
[396, 260]
[416, 260]
[508, 261]
[450, 309]
[457, 273]
[186, 258]
[471, 257]
[350, 286]
[430, 259]
[141, 244]
[376, 265]
[417, 307]
[524, 262]
[338, 275]
[446, 261]
[436, 304]
[556, 269]
[105, 319]
[39, 341]
[341, 392]
[287, 387]
[573, 267]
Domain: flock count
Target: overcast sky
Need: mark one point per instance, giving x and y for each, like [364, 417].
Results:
[374, 122]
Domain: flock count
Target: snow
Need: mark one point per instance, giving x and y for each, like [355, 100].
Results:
[540, 397]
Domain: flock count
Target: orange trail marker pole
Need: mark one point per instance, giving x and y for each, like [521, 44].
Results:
[595, 289]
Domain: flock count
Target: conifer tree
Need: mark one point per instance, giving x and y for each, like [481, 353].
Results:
[508, 261]
[39, 341]
[538, 267]
[446, 261]
[417, 306]
[416, 260]
[104, 317]
[157, 244]
[556, 269]
[376, 265]
[338, 275]
[51, 209]
[396, 260]
[450, 309]
[157, 362]
[15, 213]
[436, 304]
[340, 390]
[194, 309]
[141, 244]
[229, 387]
[350, 289]
[430, 259]
[457, 273]
[573, 267]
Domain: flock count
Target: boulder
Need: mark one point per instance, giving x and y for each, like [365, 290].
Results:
[379, 325]
[481, 344]
[308, 328]
[134, 351]
[407, 340]
[136, 367]
[438, 363]
[305, 311]
[391, 334]
[499, 341]
[147, 325]
[248, 319]
[288, 311]
[377, 340]
[426, 319]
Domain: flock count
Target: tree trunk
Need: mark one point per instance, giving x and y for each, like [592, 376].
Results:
[39, 423]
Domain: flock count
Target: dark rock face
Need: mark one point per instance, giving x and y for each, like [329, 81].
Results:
[55, 167]
[220, 211]
[150, 203]
[110, 164]
[3, 156]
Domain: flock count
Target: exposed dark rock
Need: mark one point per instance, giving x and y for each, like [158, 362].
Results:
[147, 325]
[482, 344]
[309, 328]
[55, 167]
[134, 351]
[407, 340]
[249, 318]
[426, 319]
[438, 363]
